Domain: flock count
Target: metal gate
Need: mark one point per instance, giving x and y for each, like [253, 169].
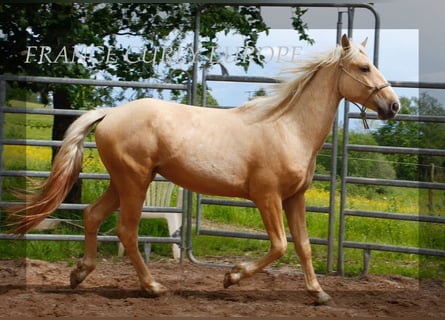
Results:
[336, 236]
[414, 217]
[29, 141]
[336, 233]
[342, 243]
[328, 210]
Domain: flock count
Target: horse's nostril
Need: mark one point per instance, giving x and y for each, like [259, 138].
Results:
[395, 107]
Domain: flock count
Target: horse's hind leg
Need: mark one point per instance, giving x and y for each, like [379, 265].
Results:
[271, 211]
[295, 209]
[94, 215]
[131, 202]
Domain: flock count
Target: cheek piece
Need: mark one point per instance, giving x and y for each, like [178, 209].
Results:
[375, 89]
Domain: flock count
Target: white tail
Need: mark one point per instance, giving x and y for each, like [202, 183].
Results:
[65, 170]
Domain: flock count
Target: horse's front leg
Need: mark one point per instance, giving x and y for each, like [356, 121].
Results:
[295, 209]
[93, 216]
[270, 208]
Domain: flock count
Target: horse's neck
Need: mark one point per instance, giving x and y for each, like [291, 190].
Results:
[312, 113]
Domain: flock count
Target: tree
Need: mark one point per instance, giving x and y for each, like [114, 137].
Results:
[261, 92]
[368, 164]
[210, 99]
[44, 39]
[415, 135]
[401, 134]
[360, 164]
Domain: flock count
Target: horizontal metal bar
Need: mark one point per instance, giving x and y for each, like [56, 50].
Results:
[248, 204]
[64, 206]
[45, 174]
[91, 82]
[394, 216]
[394, 150]
[40, 111]
[289, 3]
[398, 84]
[65, 237]
[322, 177]
[227, 78]
[250, 235]
[396, 183]
[400, 117]
[417, 84]
[82, 206]
[40, 143]
[227, 202]
[391, 248]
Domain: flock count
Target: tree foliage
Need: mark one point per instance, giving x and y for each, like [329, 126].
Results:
[152, 26]
[52, 31]
[410, 134]
[360, 164]
[428, 135]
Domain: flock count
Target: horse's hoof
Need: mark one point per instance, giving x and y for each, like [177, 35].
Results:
[80, 273]
[322, 298]
[231, 278]
[159, 289]
[155, 289]
[74, 279]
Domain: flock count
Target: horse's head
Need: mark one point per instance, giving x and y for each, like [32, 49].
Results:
[359, 81]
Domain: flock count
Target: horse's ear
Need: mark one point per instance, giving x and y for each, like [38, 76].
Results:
[345, 43]
[365, 42]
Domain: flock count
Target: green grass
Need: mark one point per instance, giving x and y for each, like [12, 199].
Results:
[222, 249]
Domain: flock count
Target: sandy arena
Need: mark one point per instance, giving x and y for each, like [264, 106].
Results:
[112, 290]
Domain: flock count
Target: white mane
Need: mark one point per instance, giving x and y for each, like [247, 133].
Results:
[301, 76]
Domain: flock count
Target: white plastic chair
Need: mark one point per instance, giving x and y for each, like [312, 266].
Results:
[159, 194]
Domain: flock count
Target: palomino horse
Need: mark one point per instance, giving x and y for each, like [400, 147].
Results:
[264, 151]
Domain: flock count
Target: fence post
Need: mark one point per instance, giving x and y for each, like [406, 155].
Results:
[344, 174]
[2, 135]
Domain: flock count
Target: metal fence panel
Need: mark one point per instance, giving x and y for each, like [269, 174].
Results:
[179, 239]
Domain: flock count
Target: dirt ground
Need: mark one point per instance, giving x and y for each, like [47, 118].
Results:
[40, 289]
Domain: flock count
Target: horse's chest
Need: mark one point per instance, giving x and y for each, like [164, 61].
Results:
[296, 175]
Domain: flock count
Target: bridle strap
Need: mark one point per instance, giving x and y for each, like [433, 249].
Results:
[376, 89]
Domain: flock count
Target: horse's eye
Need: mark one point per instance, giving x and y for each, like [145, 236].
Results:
[365, 68]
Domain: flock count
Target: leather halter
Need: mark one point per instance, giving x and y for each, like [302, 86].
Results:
[375, 89]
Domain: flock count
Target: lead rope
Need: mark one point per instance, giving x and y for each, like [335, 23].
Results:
[362, 115]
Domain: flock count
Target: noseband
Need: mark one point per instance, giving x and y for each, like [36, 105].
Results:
[375, 89]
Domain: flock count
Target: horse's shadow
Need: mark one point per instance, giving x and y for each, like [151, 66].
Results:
[118, 293]
[109, 292]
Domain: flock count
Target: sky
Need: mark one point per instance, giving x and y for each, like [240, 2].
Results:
[408, 51]
[411, 48]
[283, 49]
[411, 45]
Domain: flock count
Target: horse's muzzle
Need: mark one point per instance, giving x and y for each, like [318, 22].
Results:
[389, 112]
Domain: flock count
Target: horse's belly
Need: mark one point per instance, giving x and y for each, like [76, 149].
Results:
[207, 178]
